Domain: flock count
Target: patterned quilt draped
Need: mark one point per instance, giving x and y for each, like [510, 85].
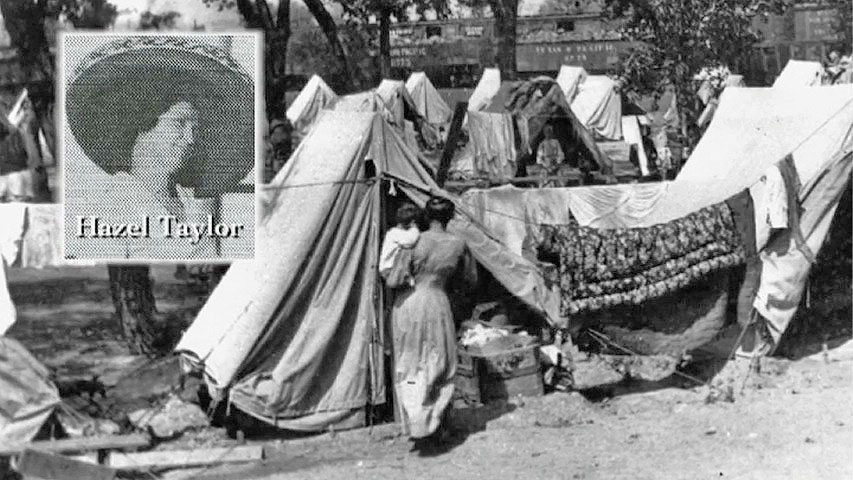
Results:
[604, 268]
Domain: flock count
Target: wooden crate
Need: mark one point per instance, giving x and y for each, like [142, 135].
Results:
[485, 376]
[467, 381]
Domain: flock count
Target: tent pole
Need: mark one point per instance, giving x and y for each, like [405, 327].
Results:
[450, 144]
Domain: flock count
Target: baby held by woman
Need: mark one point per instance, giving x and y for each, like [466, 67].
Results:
[399, 240]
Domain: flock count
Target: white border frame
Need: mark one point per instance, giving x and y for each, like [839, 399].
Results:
[59, 115]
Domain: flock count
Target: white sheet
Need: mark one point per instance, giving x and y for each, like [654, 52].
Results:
[631, 132]
[569, 79]
[598, 107]
[485, 90]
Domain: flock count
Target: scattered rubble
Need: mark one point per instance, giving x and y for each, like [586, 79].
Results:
[171, 419]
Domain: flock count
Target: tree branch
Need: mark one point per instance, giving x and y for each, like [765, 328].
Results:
[264, 14]
[330, 30]
[249, 13]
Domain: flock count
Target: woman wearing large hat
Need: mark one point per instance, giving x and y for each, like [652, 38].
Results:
[170, 121]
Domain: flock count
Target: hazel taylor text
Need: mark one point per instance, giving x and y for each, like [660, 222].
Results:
[167, 226]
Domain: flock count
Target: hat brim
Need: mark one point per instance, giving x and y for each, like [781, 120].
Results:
[106, 102]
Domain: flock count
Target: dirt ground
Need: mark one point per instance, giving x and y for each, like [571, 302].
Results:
[792, 420]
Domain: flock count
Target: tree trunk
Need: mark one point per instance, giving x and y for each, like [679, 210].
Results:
[25, 22]
[276, 35]
[506, 16]
[330, 30]
[132, 294]
[275, 50]
[385, 42]
[278, 47]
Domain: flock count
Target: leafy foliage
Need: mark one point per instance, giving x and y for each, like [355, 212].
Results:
[844, 20]
[363, 10]
[156, 21]
[675, 39]
[309, 50]
[505, 13]
[92, 14]
[258, 14]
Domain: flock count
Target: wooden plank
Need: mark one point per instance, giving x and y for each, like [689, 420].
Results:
[452, 139]
[85, 444]
[185, 458]
[50, 466]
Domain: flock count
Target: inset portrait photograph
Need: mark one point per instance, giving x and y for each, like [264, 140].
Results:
[158, 145]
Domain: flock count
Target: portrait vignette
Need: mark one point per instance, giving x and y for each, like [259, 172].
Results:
[227, 94]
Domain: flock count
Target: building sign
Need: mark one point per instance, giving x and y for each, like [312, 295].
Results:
[401, 32]
[815, 24]
[473, 30]
[594, 56]
[407, 57]
[439, 54]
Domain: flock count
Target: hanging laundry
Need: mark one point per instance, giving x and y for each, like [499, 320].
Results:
[40, 245]
[492, 136]
[604, 268]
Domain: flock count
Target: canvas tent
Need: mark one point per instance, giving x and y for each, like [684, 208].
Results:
[313, 97]
[747, 143]
[394, 102]
[367, 101]
[536, 102]
[28, 396]
[753, 130]
[598, 106]
[428, 101]
[711, 99]
[485, 90]
[397, 100]
[303, 350]
[570, 79]
[508, 130]
[799, 73]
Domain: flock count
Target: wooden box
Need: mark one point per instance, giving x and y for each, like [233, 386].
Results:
[493, 375]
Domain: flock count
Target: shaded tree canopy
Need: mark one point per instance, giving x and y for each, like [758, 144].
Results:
[675, 39]
[156, 21]
[363, 11]
[505, 13]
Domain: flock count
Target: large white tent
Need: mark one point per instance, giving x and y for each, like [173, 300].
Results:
[570, 79]
[427, 99]
[598, 106]
[314, 96]
[754, 133]
[486, 89]
[304, 350]
[799, 73]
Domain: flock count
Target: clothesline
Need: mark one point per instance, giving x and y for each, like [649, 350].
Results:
[317, 184]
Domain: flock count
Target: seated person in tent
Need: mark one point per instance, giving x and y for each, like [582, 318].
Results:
[549, 156]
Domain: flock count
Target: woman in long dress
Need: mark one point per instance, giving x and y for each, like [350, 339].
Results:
[424, 331]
